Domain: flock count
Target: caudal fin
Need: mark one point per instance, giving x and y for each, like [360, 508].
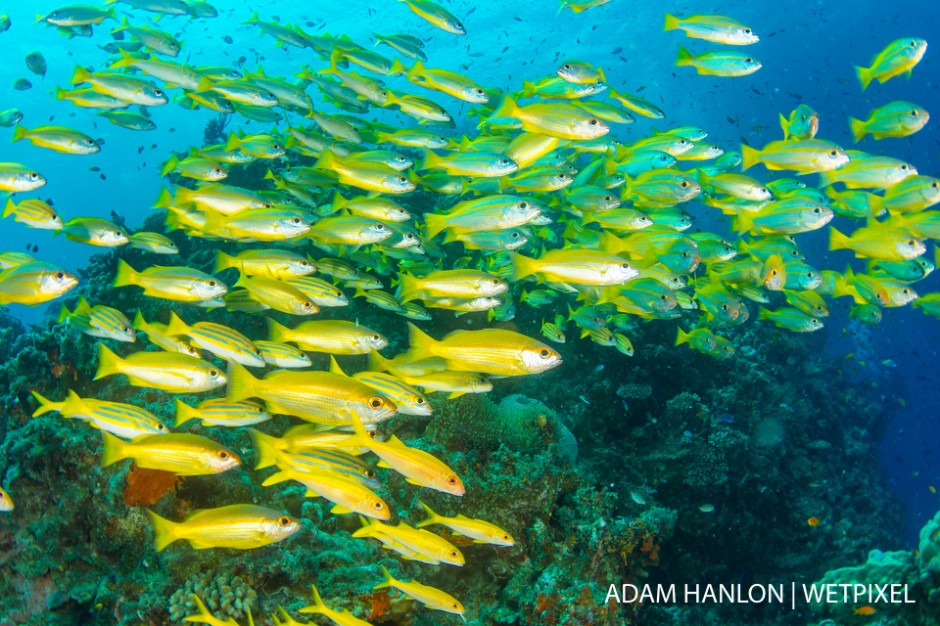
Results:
[125, 275]
[164, 531]
[432, 516]
[749, 157]
[858, 129]
[241, 384]
[389, 579]
[435, 223]
[108, 362]
[864, 76]
[837, 241]
[266, 447]
[114, 449]
[672, 22]
[522, 266]
[421, 345]
[184, 413]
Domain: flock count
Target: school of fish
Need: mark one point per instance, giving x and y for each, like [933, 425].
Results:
[541, 207]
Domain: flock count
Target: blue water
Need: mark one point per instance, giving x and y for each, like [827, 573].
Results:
[807, 51]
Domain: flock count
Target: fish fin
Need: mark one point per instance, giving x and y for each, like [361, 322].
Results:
[383, 465]
[858, 129]
[684, 57]
[837, 241]
[785, 126]
[507, 107]
[432, 516]
[223, 261]
[341, 510]
[682, 337]
[335, 368]
[864, 76]
[125, 275]
[434, 223]
[234, 142]
[407, 287]
[318, 606]
[455, 394]
[170, 165]
[522, 266]
[184, 413]
[114, 449]
[45, 405]
[762, 313]
[672, 22]
[421, 345]
[108, 362]
[20, 132]
[241, 384]
[64, 315]
[398, 68]
[278, 332]
[10, 207]
[266, 447]
[377, 362]
[389, 579]
[743, 222]
[748, 157]
[163, 530]
[176, 327]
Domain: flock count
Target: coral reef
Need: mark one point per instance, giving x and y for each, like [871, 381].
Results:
[224, 595]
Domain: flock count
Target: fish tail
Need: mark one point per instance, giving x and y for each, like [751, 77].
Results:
[389, 579]
[327, 161]
[682, 337]
[837, 241]
[223, 261]
[108, 362]
[420, 343]
[858, 129]
[125, 275]
[684, 57]
[377, 362]
[125, 61]
[266, 447]
[241, 384]
[9, 207]
[398, 68]
[785, 126]
[367, 528]
[114, 449]
[507, 107]
[743, 222]
[435, 223]
[184, 412]
[234, 142]
[278, 332]
[864, 76]
[672, 22]
[407, 287]
[64, 314]
[339, 202]
[432, 516]
[430, 161]
[762, 313]
[748, 157]
[20, 132]
[170, 165]
[81, 75]
[204, 614]
[164, 200]
[177, 326]
[164, 532]
[45, 404]
[318, 606]
[139, 322]
[522, 266]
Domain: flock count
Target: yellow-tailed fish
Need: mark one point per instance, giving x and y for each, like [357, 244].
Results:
[180, 453]
[785, 217]
[58, 138]
[418, 541]
[16, 177]
[153, 242]
[479, 530]
[575, 266]
[282, 355]
[222, 341]
[34, 282]
[488, 213]
[157, 334]
[176, 373]
[791, 319]
[912, 194]
[319, 397]
[121, 86]
[182, 284]
[196, 167]
[450, 283]
[802, 124]
[370, 177]
[578, 6]
[278, 295]
[340, 617]
[276, 264]
[430, 597]
[123, 420]
[562, 120]
[878, 242]
[898, 57]
[78, 16]
[490, 351]
[98, 321]
[34, 213]
[332, 336]
[580, 73]
[436, 15]
[895, 119]
[809, 302]
[720, 63]
[321, 292]
[220, 412]
[714, 28]
[238, 526]
[94, 231]
[869, 172]
[347, 494]
[804, 157]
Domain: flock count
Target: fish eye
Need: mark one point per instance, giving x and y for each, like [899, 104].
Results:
[376, 402]
[378, 506]
[810, 274]
[213, 373]
[544, 353]
[906, 291]
[684, 184]
[60, 275]
[773, 272]
[452, 481]
[834, 153]
[814, 321]
[817, 210]
[747, 31]
[593, 122]
[380, 227]
[912, 243]
[402, 180]
[914, 113]
[222, 454]
[161, 427]
[523, 205]
[453, 553]
[306, 304]
[33, 176]
[803, 117]
[566, 67]
[933, 185]
[514, 235]
[158, 92]
[903, 167]
[296, 220]
[724, 307]
[212, 283]
[376, 337]
[283, 521]
[496, 281]
[749, 60]
[625, 266]
[419, 400]
[608, 198]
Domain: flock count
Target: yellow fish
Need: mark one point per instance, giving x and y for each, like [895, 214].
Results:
[34, 282]
[180, 453]
[182, 284]
[238, 526]
[340, 617]
[479, 530]
[430, 597]
[899, 57]
[6, 502]
[167, 371]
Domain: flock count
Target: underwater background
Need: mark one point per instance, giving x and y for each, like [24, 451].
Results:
[667, 466]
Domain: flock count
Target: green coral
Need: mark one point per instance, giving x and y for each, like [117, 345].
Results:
[223, 594]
